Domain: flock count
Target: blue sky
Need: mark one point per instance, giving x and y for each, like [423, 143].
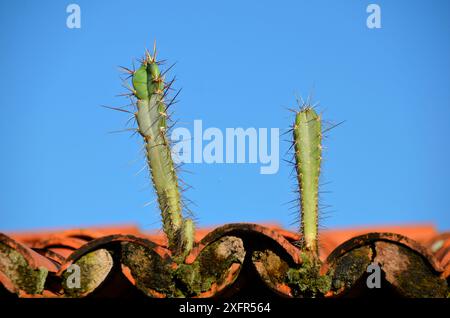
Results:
[240, 65]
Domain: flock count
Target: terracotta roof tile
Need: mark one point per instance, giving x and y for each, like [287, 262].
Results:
[255, 259]
[440, 247]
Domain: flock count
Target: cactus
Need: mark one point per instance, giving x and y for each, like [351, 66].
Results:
[307, 133]
[150, 90]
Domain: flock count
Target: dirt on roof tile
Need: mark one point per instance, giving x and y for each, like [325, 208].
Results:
[235, 259]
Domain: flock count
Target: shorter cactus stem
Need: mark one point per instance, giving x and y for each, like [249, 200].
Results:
[308, 155]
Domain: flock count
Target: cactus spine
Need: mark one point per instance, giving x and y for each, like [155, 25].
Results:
[150, 89]
[308, 155]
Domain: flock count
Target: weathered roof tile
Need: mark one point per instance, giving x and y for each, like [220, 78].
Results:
[236, 259]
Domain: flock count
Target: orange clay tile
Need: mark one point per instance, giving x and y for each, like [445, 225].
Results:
[57, 249]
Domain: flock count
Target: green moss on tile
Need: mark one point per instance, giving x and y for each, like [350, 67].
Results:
[409, 272]
[306, 280]
[150, 271]
[210, 267]
[271, 268]
[17, 269]
[351, 267]
[94, 268]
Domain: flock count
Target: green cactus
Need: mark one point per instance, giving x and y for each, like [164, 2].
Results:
[150, 89]
[307, 133]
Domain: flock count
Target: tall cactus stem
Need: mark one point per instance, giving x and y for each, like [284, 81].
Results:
[149, 88]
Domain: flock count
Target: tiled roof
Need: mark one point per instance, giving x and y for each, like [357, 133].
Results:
[235, 259]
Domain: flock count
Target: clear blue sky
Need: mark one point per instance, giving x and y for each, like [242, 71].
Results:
[240, 65]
